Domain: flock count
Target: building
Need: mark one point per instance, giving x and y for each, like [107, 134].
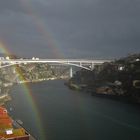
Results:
[9, 129]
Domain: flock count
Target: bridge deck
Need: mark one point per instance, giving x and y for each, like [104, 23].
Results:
[54, 60]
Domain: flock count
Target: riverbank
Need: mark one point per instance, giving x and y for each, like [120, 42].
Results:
[40, 80]
[104, 91]
[4, 98]
[73, 86]
[34, 81]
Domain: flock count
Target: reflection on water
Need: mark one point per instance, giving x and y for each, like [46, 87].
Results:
[70, 115]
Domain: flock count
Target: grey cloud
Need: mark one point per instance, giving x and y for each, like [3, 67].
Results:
[79, 28]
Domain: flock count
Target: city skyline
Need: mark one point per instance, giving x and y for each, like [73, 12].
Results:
[70, 29]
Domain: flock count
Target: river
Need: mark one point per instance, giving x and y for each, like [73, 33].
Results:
[57, 113]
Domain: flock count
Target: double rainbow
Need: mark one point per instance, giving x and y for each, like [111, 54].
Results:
[41, 27]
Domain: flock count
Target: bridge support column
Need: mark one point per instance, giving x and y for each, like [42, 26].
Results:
[71, 72]
[92, 66]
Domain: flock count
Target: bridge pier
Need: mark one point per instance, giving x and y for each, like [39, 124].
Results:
[92, 66]
[71, 72]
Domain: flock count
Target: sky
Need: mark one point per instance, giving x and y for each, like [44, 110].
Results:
[93, 29]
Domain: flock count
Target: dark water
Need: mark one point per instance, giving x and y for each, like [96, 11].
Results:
[70, 115]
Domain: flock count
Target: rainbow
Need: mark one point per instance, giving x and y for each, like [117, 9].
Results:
[3, 49]
[28, 93]
[42, 29]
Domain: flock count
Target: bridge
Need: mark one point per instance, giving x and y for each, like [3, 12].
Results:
[82, 63]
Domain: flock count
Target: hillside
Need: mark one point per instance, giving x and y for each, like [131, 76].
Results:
[120, 78]
[33, 72]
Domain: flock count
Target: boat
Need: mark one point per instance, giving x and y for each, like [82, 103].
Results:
[11, 109]
[19, 122]
[10, 129]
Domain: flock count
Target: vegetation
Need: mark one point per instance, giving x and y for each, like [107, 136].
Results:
[34, 72]
[120, 78]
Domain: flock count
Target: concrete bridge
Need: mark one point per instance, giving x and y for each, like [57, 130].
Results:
[82, 63]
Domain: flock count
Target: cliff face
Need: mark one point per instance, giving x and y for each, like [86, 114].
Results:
[118, 78]
[31, 72]
[28, 73]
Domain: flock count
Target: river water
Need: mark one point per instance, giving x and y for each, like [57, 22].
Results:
[58, 113]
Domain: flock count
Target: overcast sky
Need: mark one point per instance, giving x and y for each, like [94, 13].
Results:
[70, 28]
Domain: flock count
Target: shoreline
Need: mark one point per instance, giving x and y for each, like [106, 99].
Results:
[6, 96]
[93, 92]
[41, 80]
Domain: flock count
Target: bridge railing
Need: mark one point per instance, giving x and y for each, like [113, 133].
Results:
[82, 63]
